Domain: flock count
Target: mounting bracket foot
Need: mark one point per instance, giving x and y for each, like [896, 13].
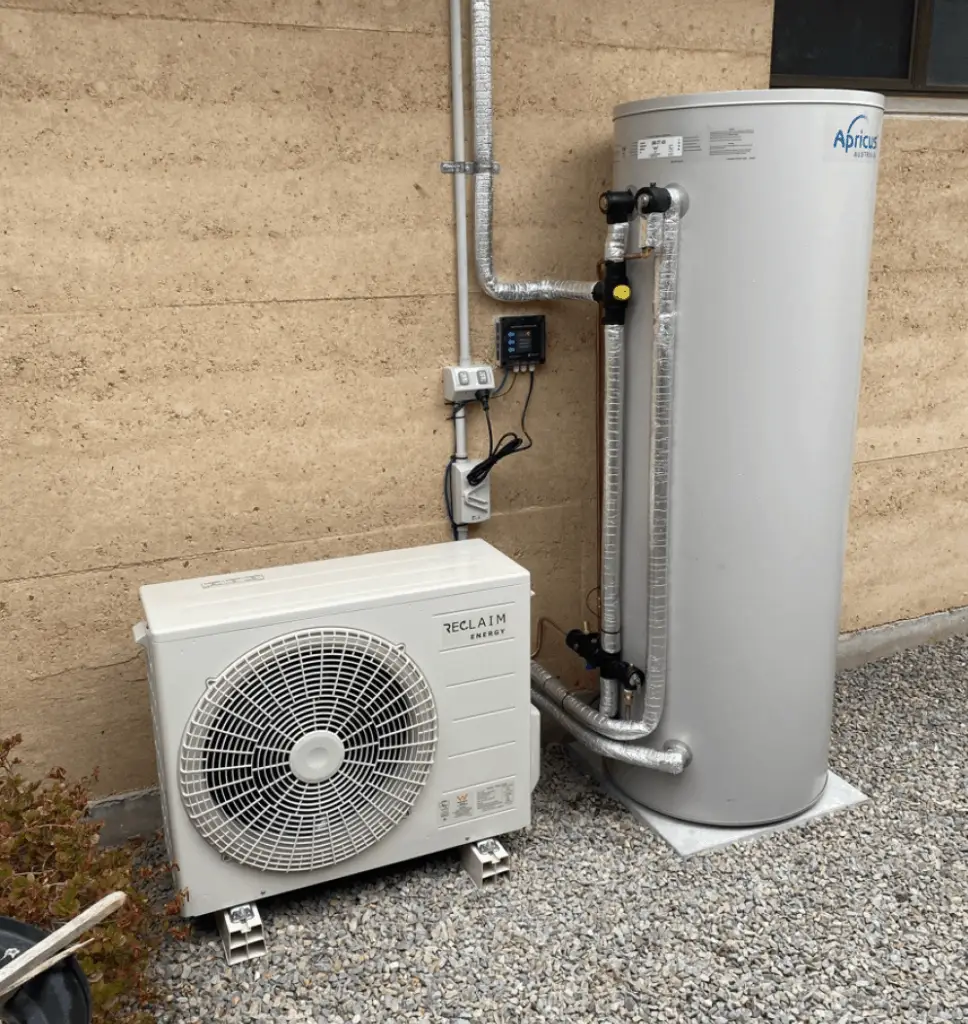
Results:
[243, 937]
[485, 861]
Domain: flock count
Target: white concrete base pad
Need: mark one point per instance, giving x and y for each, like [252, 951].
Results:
[688, 840]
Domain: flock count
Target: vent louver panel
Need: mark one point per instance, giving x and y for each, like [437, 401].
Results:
[308, 749]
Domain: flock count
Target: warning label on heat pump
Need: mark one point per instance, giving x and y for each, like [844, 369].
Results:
[476, 802]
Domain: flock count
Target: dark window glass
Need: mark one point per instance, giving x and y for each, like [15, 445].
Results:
[844, 38]
[948, 55]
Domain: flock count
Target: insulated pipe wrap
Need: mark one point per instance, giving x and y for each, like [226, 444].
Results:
[660, 460]
[483, 89]
[578, 711]
[616, 246]
[609, 697]
[674, 760]
[612, 461]
[616, 242]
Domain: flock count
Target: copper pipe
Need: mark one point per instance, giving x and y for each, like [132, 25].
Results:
[539, 640]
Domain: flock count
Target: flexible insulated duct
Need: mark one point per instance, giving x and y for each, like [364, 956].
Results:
[673, 760]
[506, 291]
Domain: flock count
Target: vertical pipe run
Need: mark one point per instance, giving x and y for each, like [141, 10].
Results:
[660, 462]
[616, 244]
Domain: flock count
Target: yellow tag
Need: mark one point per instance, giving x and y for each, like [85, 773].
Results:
[622, 291]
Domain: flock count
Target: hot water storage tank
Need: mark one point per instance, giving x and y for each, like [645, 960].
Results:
[775, 248]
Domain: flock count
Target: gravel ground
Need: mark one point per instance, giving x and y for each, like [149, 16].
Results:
[859, 917]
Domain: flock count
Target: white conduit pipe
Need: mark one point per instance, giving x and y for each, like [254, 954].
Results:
[506, 291]
[613, 460]
[673, 760]
[460, 221]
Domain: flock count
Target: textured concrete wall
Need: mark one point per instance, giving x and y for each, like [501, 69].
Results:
[908, 551]
[227, 290]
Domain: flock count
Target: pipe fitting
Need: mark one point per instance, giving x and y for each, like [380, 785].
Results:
[618, 207]
[652, 199]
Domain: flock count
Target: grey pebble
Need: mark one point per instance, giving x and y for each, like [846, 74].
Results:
[859, 917]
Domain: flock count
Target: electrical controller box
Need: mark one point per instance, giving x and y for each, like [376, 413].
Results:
[520, 341]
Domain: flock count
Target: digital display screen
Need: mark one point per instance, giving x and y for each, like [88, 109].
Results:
[523, 341]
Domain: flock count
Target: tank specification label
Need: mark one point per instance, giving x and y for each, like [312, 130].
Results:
[476, 802]
[732, 143]
[659, 146]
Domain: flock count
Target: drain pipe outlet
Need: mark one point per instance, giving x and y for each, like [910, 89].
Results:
[484, 171]
[673, 760]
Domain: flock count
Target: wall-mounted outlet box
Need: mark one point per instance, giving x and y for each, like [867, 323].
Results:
[462, 383]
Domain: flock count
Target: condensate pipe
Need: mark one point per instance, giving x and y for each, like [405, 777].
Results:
[484, 171]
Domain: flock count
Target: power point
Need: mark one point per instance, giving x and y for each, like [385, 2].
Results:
[471, 502]
[462, 383]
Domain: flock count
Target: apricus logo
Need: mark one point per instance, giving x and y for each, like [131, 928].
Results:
[856, 139]
[479, 626]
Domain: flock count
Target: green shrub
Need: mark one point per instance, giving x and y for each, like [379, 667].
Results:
[51, 868]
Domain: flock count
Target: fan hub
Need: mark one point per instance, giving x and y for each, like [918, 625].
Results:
[317, 756]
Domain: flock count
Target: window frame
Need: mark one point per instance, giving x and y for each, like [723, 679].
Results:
[916, 84]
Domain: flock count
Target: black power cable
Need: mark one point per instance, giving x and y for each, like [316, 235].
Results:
[449, 497]
[507, 444]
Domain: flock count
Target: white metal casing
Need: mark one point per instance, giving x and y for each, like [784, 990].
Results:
[430, 599]
[772, 290]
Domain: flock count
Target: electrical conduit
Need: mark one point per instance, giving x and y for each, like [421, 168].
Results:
[460, 222]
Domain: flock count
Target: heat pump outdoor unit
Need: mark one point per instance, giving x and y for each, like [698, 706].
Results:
[320, 720]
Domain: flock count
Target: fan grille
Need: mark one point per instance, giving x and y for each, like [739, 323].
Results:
[308, 749]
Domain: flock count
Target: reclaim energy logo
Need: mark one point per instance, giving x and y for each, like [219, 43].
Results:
[856, 140]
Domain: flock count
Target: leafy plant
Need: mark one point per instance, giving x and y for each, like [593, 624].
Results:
[51, 868]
